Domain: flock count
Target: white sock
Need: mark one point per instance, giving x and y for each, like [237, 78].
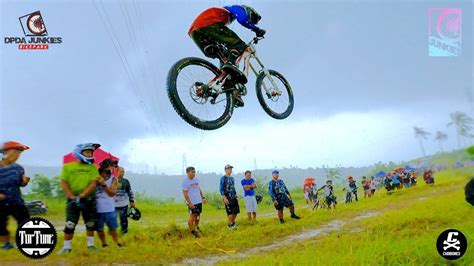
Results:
[90, 241]
[67, 244]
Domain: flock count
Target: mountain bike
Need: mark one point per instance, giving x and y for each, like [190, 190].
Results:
[203, 94]
[349, 196]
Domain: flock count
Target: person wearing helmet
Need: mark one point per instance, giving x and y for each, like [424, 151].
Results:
[105, 192]
[281, 196]
[12, 178]
[79, 182]
[210, 28]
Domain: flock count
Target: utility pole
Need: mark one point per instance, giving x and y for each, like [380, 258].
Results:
[185, 164]
[255, 164]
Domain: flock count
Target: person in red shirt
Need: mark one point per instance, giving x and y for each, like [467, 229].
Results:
[210, 28]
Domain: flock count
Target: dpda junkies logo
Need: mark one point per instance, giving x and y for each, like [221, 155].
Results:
[451, 244]
[35, 32]
[36, 238]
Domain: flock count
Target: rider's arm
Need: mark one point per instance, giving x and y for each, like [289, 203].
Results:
[238, 12]
[286, 189]
[64, 183]
[221, 187]
[131, 196]
[89, 189]
[67, 191]
[186, 196]
[270, 190]
[112, 189]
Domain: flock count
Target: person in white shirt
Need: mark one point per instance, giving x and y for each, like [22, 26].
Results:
[105, 203]
[194, 199]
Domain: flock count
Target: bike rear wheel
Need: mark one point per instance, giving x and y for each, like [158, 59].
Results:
[189, 102]
[277, 106]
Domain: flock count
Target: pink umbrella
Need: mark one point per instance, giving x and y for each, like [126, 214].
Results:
[99, 156]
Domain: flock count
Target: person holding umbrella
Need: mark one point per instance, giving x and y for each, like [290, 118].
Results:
[79, 182]
[12, 178]
[281, 196]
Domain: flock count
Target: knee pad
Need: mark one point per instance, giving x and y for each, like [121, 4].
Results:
[70, 227]
[90, 226]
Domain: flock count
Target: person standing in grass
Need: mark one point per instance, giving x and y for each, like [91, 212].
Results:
[123, 197]
[388, 183]
[106, 214]
[366, 186]
[249, 185]
[194, 199]
[229, 195]
[281, 196]
[79, 181]
[373, 185]
[395, 181]
[12, 178]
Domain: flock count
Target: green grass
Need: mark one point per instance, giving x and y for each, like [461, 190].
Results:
[162, 237]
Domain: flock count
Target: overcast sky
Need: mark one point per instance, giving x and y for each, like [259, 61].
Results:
[360, 72]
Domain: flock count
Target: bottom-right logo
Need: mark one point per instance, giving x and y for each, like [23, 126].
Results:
[451, 244]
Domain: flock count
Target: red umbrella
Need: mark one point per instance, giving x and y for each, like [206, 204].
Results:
[309, 181]
[99, 156]
[400, 170]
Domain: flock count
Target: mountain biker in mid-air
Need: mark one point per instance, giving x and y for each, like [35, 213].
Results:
[209, 28]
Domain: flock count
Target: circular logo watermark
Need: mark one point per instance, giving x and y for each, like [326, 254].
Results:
[36, 238]
[451, 244]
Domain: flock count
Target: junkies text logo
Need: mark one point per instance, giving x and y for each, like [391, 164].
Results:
[444, 31]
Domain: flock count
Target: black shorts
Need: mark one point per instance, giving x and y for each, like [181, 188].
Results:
[197, 208]
[283, 202]
[73, 212]
[233, 207]
[18, 212]
[217, 33]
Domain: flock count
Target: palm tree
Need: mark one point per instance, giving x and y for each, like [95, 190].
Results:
[421, 135]
[440, 137]
[334, 174]
[463, 124]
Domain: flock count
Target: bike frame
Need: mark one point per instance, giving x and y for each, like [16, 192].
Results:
[250, 53]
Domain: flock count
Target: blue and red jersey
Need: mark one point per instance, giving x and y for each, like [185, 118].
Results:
[224, 15]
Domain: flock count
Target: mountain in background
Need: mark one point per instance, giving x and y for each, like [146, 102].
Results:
[165, 186]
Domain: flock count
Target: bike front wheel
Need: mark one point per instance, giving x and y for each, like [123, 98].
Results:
[277, 105]
[203, 109]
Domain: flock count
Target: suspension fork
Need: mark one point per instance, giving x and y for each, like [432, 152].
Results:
[267, 74]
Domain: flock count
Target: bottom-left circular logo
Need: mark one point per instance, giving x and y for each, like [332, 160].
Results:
[36, 238]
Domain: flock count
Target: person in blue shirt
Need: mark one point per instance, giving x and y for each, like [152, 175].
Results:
[249, 186]
[12, 178]
[281, 196]
[229, 195]
[396, 181]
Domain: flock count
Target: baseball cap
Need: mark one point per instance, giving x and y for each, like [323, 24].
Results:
[228, 166]
[275, 172]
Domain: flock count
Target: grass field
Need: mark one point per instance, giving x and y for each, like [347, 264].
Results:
[403, 231]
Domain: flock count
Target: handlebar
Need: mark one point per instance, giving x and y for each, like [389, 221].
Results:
[255, 40]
